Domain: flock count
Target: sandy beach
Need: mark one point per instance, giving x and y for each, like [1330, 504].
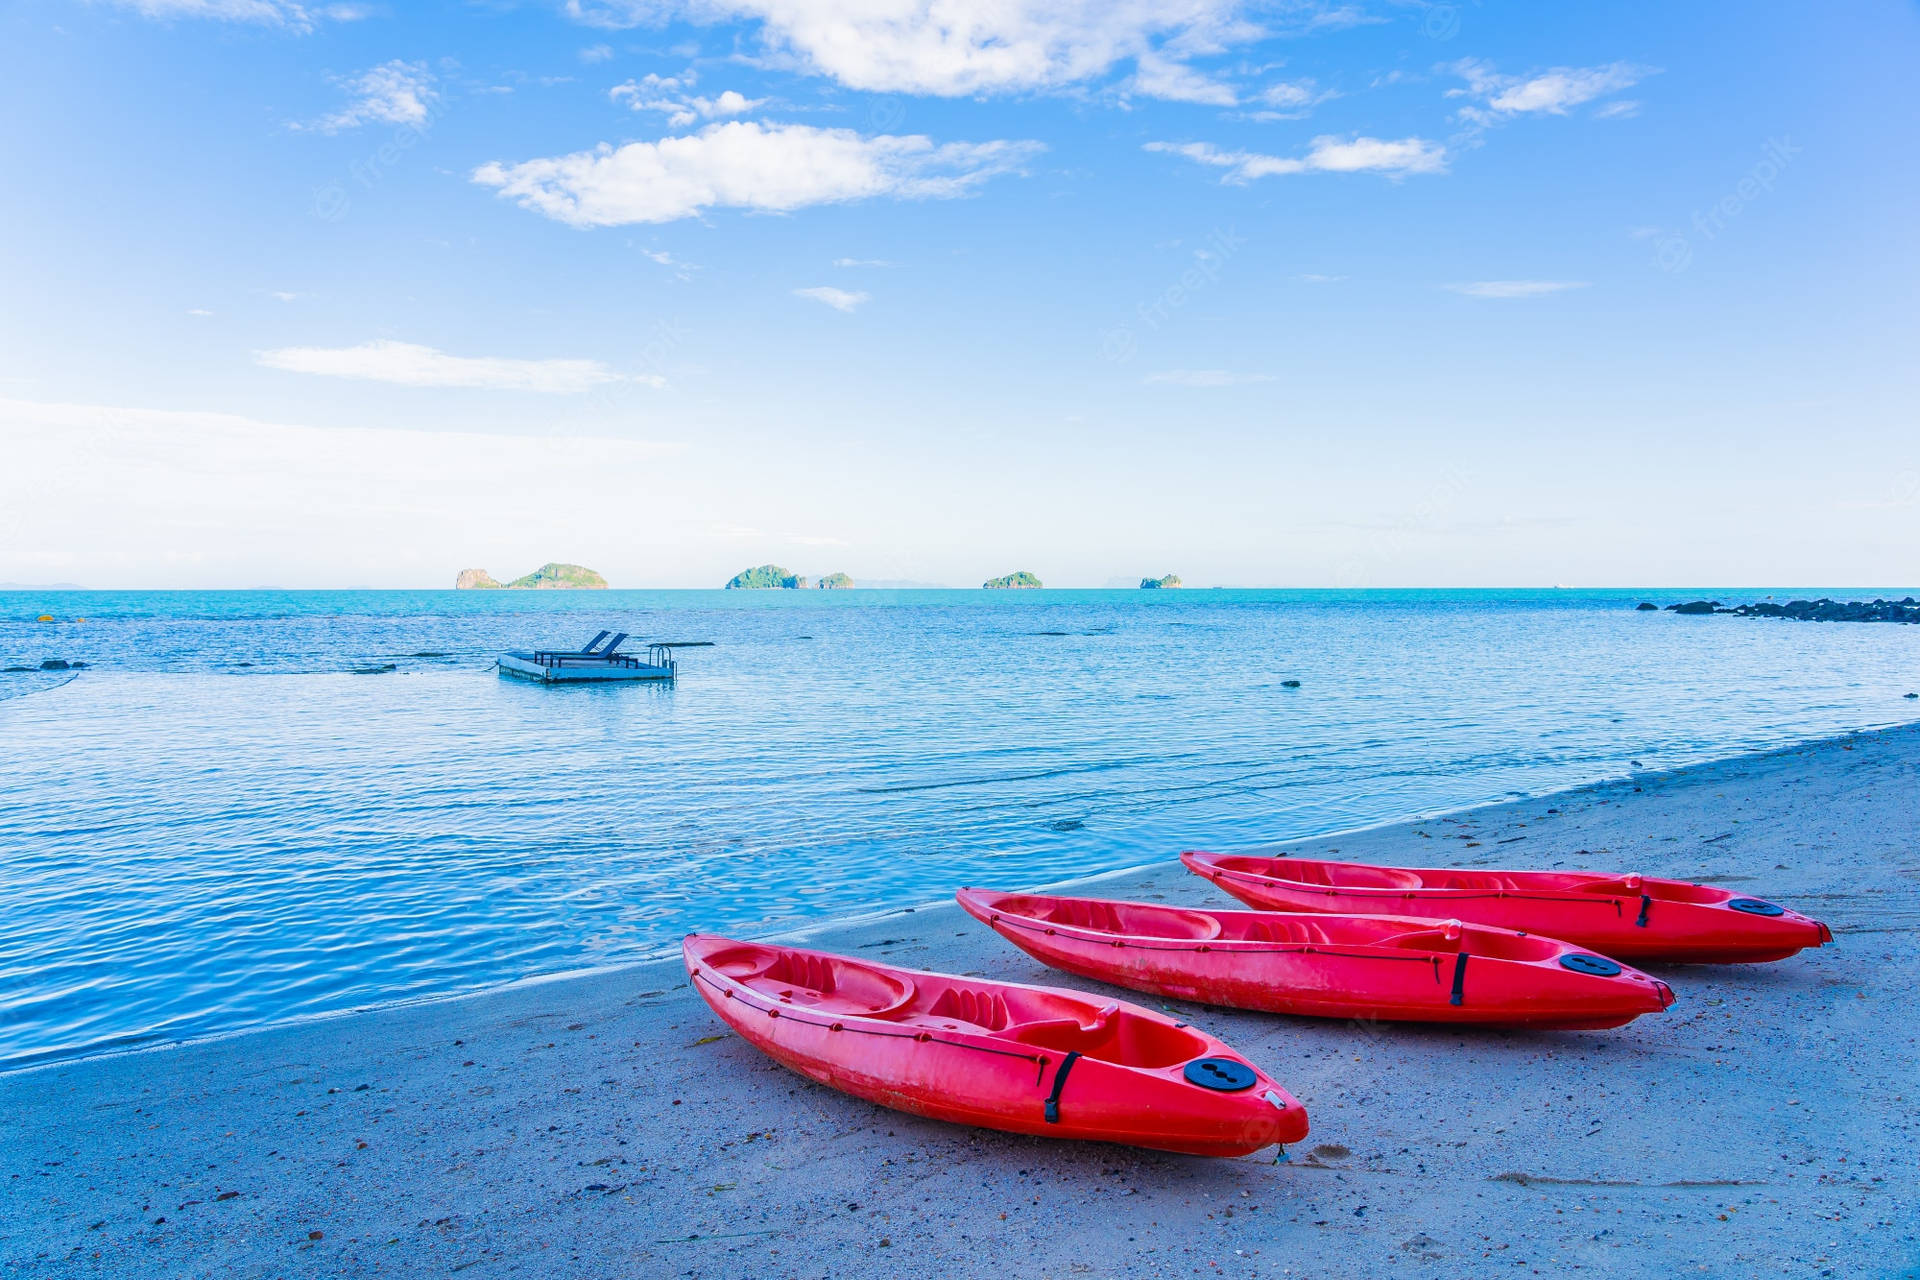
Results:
[604, 1126]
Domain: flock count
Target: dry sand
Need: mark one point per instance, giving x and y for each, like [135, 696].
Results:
[602, 1126]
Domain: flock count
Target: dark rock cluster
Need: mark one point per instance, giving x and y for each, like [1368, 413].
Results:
[1821, 610]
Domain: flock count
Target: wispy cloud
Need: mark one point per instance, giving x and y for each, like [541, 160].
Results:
[278, 13]
[1328, 154]
[1515, 288]
[861, 262]
[838, 299]
[673, 97]
[409, 364]
[1314, 277]
[395, 92]
[596, 53]
[1552, 92]
[1204, 378]
[1288, 100]
[957, 50]
[1158, 76]
[747, 165]
[199, 311]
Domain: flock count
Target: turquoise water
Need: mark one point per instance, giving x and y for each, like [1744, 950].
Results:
[217, 825]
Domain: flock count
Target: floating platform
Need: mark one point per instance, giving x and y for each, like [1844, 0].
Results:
[595, 662]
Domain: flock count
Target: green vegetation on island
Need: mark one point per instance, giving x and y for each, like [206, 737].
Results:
[765, 576]
[1154, 584]
[552, 576]
[1011, 580]
[834, 582]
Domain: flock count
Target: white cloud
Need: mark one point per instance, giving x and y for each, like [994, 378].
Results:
[1314, 277]
[682, 269]
[596, 53]
[747, 165]
[412, 365]
[861, 262]
[670, 94]
[1290, 99]
[1328, 154]
[1515, 288]
[1553, 91]
[284, 296]
[1204, 378]
[279, 13]
[951, 48]
[838, 299]
[1619, 110]
[394, 92]
[1156, 76]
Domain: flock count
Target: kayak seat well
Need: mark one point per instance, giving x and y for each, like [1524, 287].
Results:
[1117, 1036]
[829, 984]
[1332, 875]
[983, 1009]
[1493, 944]
[1126, 918]
[1297, 932]
[1481, 880]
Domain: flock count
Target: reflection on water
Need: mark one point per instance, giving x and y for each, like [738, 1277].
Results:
[218, 825]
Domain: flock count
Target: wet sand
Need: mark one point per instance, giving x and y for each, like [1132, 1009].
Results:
[605, 1126]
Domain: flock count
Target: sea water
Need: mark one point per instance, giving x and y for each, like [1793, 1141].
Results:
[253, 807]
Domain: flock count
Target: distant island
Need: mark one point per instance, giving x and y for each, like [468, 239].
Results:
[767, 576]
[835, 582]
[1012, 580]
[552, 576]
[1154, 584]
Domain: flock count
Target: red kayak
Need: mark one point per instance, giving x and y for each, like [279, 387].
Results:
[1038, 1060]
[1325, 966]
[1628, 917]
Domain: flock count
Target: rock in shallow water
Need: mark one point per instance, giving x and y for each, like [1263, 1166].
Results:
[1821, 610]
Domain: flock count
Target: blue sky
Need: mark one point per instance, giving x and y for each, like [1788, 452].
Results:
[1362, 294]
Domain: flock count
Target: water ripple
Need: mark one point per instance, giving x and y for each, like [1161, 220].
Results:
[216, 825]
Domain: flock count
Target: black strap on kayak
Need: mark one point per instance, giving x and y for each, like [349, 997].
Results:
[1059, 1083]
[1646, 905]
[1459, 980]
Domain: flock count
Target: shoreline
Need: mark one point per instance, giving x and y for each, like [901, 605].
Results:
[600, 1121]
[801, 934]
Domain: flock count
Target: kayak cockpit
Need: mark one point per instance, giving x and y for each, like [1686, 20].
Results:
[838, 987]
[1123, 919]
